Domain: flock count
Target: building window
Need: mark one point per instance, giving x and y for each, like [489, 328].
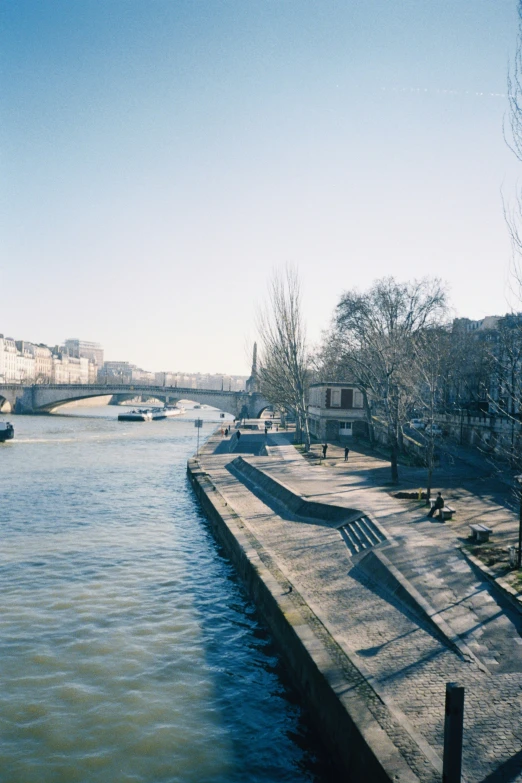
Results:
[335, 400]
[346, 398]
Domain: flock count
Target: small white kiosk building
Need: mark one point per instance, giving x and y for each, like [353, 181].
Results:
[336, 411]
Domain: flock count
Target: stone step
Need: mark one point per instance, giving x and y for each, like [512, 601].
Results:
[372, 531]
[361, 534]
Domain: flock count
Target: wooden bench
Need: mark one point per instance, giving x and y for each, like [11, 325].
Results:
[444, 513]
[480, 533]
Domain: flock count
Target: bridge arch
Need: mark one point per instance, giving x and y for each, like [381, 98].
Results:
[47, 408]
[5, 405]
[265, 407]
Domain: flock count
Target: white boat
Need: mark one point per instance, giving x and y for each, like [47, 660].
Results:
[6, 431]
[166, 412]
[173, 410]
[140, 414]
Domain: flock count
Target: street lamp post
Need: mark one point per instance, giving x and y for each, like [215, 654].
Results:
[519, 553]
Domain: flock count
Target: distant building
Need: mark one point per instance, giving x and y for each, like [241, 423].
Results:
[489, 374]
[25, 362]
[116, 372]
[336, 411]
[466, 325]
[124, 372]
[71, 369]
[80, 361]
[13, 364]
[217, 381]
[83, 349]
[43, 363]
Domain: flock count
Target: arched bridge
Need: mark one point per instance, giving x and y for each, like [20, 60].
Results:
[43, 398]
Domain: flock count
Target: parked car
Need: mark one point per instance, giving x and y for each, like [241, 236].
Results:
[433, 429]
[417, 424]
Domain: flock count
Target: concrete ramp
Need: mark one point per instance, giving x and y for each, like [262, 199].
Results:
[359, 532]
[377, 569]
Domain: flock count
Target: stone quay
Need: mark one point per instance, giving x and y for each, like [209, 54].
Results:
[374, 606]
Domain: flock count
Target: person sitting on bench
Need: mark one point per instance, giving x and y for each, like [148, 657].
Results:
[439, 503]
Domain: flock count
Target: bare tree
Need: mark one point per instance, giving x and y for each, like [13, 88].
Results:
[378, 328]
[431, 349]
[284, 365]
[469, 369]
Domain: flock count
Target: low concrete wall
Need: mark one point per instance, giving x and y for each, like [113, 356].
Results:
[298, 505]
[332, 688]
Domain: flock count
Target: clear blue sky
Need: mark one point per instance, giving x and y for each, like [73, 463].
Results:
[158, 158]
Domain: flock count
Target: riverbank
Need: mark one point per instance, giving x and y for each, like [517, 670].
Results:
[371, 639]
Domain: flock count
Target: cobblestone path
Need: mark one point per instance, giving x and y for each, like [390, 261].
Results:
[404, 661]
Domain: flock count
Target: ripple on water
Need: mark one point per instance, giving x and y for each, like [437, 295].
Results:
[127, 649]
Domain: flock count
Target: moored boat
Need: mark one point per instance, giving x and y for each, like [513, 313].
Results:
[167, 412]
[173, 410]
[6, 431]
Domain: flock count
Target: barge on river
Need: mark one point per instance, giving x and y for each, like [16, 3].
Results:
[140, 414]
[6, 431]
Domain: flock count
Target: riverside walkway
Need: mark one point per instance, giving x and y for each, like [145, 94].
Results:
[395, 655]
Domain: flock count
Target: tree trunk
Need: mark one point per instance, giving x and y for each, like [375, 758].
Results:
[430, 470]
[428, 488]
[394, 459]
[400, 440]
[306, 433]
[395, 431]
[298, 428]
[369, 419]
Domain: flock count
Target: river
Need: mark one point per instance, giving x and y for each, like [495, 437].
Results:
[128, 649]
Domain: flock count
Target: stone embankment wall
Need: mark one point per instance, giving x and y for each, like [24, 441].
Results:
[492, 434]
[360, 748]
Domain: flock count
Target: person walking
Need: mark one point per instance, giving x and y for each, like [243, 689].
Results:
[325, 449]
[346, 452]
[438, 504]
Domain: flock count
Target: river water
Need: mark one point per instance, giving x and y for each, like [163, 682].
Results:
[128, 649]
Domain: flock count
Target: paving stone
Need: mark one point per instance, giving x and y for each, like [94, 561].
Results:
[398, 660]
